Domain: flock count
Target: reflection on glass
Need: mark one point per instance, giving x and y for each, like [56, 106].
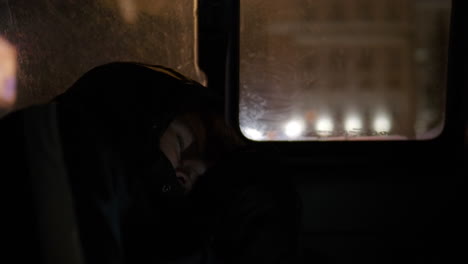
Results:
[299, 57]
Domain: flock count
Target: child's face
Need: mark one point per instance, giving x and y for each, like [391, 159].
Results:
[178, 143]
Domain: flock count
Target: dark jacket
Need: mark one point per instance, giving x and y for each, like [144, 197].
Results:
[123, 186]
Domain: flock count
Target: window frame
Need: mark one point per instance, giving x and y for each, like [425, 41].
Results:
[450, 141]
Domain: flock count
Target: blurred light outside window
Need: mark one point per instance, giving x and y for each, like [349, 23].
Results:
[7, 75]
[59, 40]
[350, 69]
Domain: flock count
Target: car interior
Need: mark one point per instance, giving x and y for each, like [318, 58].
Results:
[364, 99]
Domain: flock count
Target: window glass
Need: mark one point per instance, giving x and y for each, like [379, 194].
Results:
[343, 69]
[59, 40]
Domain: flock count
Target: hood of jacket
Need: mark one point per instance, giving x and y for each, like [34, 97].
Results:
[130, 105]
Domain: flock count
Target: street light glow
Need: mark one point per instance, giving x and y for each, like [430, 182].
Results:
[353, 123]
[294, 128]
[382, 123]
[324, 126]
